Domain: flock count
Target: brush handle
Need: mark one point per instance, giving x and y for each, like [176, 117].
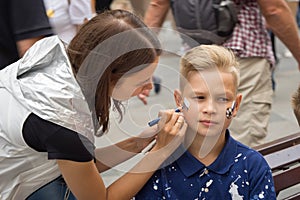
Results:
[149, 147]
[155, 121]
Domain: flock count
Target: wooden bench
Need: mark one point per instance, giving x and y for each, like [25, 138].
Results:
[283, 156]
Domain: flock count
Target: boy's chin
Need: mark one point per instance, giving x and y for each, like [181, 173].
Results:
[210, 132]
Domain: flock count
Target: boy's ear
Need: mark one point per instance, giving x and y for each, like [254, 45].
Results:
[178, 98]
[238, 101]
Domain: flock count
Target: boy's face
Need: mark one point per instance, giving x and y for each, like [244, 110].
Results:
[209, 93]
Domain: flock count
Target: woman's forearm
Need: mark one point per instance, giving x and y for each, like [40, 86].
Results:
[135, 179]
[110, 156]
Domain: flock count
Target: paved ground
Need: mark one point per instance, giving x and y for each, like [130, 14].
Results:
[282, 120]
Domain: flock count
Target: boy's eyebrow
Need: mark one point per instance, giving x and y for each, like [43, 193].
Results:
[196, 93]
[223, 93]
[227, 94]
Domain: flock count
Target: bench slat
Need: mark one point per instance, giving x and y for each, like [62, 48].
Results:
[287, 178]
[283, 157]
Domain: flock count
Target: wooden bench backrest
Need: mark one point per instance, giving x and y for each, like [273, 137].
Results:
[283, 156]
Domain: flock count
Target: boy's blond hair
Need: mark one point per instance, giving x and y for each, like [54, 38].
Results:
[206, 57]
[296, 104]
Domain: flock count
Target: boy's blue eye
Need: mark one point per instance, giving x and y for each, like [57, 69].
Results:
[218, 99]
[223, 99]
[199, 97]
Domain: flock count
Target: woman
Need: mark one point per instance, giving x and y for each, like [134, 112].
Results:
[57, 97]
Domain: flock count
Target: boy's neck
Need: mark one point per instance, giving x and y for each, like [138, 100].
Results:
[206, 149]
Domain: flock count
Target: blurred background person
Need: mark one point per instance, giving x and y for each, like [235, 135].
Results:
[66, 16]
[22, 24]
[101, 5]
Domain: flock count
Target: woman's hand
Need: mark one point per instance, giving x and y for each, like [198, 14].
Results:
[145, 137]
[143, 96]
[171, 133]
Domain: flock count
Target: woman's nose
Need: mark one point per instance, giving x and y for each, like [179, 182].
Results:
[148, 86]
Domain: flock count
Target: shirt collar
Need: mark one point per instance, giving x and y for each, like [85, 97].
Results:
[189, 165]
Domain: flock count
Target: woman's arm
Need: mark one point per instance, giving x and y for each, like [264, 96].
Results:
[167, 140]
[85, 181]
[113, 155]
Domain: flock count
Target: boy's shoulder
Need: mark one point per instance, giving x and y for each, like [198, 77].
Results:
[233, 155]
[248, 151]
[243, 149]
[248, 158]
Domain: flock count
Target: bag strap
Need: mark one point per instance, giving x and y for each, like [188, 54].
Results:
[217, 1]
[202, 34]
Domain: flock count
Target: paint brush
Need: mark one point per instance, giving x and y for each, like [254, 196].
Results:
[185, 105]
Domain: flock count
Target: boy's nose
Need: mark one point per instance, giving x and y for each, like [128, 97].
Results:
[210, 107]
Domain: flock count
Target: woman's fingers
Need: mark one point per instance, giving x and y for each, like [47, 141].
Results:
[168, 119]
[170, 127]
[178, 124]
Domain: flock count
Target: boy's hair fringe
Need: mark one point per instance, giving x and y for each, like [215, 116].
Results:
[207, 57]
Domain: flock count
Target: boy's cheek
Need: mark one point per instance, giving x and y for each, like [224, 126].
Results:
[191, 116]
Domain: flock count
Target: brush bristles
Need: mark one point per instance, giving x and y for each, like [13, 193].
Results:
[186, 104]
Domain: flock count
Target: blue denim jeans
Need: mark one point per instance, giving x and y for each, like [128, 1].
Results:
[56, 189]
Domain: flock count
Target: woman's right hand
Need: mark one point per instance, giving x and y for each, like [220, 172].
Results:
[170, 134]
[172, 127]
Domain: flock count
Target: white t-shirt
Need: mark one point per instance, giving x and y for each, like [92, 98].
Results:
[65, 15]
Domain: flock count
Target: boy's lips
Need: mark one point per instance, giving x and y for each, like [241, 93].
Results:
[208, 122]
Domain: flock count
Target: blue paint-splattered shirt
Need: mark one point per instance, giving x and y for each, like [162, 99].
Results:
[238, 173]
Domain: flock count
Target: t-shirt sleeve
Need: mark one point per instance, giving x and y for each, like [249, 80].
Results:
[58, 141]
[261, 183]
[29, 19]
[79, 11]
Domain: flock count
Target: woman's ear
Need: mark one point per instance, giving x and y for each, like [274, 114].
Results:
[178, 98]
[238, 101]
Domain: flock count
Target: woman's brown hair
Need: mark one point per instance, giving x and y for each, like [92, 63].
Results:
[106, 48]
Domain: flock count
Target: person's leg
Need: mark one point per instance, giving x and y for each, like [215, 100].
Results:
[156, 82]
[251, 123]
[102, 5]
[56, 189]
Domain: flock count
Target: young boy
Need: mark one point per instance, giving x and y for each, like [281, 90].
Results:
[210, 164]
